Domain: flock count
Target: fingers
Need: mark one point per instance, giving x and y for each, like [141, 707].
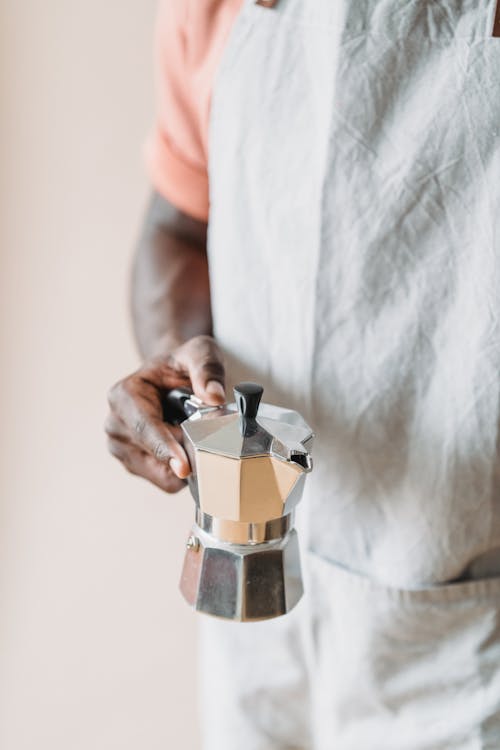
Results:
[142, 464]
[135, 403]
[202, 360]
[138, 435]
[116, 428]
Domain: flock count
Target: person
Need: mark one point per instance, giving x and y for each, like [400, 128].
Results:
[326, 221]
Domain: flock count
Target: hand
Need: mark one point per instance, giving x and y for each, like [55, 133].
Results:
[137, 434]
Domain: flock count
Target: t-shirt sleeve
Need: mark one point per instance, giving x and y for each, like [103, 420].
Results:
[175, 152]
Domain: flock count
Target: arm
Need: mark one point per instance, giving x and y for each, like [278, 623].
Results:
[172, 323]
[170, 286]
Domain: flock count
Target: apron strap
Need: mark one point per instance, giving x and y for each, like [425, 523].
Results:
[272, 3]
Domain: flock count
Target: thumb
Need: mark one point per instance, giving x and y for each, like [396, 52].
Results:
[202, 359]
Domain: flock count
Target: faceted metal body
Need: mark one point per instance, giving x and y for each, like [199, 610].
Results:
[248, 474]
[242, 582]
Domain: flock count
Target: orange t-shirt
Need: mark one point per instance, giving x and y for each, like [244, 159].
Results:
[190, 37]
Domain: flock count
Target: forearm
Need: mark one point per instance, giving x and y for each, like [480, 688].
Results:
[170, 284]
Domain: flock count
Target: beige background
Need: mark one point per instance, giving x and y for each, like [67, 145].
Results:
[96, 645]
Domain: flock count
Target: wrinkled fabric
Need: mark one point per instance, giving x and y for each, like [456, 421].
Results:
[354, 255]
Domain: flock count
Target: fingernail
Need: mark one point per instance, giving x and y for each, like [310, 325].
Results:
[216, 389]
[177, 467]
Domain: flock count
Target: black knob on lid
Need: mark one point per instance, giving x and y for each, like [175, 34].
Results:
[247, 397]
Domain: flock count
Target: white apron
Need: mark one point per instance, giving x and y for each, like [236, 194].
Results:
[354, 250]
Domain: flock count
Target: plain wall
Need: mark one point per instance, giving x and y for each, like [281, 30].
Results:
[96, 645]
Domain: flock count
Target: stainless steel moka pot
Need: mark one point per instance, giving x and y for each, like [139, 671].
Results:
[249, 463]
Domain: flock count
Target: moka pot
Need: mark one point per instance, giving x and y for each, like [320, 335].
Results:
[249, 463]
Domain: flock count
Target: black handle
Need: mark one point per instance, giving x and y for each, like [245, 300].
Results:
[174, 410]
[247, 397]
